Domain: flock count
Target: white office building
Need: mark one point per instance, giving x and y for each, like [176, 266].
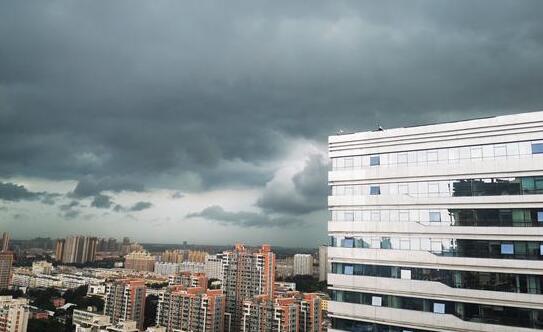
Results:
[303, 265]
[438, 227]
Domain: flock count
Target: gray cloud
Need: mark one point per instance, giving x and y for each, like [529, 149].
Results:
[245, 219]
[89, 186]
[164, 92]
[15, 192]
[191, 97]
[308, 193]
[139, 206]
[102, 201]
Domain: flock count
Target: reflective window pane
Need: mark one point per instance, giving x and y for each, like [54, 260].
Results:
[375, 161]
[537, 148]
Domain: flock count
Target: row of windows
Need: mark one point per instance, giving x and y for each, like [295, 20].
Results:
[531, 250]
[453, 217]
[440, 156]
[358, 326]
[501, 282]
[448, 188]
[480, 313]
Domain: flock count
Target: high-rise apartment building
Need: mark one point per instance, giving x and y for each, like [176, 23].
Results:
[76, 249]
[191, 309]
[245, 274]
[324, 266]
[140, 261]
[14, 314]
[6, 261]
[213, 267]
[125, 301]
[438, 227]
[172, 256]
[5, 241]
[290, 312]
[303, 265]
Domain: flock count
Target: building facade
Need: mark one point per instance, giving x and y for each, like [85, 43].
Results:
[191, 309]
[303, 265]
[289, 312]
[14, 314]
[245, 274]
[5, 242]
[140, 261]
[76, 249]
[438, 227]
[324, 266]
[125, 301]
[213, 267]
[6, 261]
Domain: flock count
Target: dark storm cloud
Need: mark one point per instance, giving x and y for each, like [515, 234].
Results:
[245, 219]
[15, 192]
[308, 194]
[139, 206]
[102, 202]
[89, 186]
[126, 95]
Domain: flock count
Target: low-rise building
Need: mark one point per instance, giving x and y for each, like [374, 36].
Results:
[42, 267]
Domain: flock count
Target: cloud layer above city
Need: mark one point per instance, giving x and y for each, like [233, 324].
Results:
[207, 121]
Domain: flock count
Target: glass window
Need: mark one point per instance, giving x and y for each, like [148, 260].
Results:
[431, 156]
[405, 274]
[476, 152]
[348, 242]
[435, 216]
[403, 189]
[507, 249]
[348, 216]
[375, 161]
[541, 249]
[500, 150]
[537, 148]
[433, 187]
[376, 301]
[349, 162]
[402, 158]
[540, 216]
[348, 270]
[375, 190]
[439, 308]
[405, 244]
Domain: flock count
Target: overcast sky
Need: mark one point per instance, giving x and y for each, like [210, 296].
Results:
[207, 121]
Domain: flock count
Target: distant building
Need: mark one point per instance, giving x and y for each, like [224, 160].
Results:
[88, 321]
[5, 242]
[303, 264]
[189, 279]
[172, 256]
[166, 269]
[323, 263]
[6, 261]
[293, 312]
[194, 267]
[245, 275]
[124, 326]
[213, 267]
[14, 314]
[191, 309]
[140, 261]
[284, 268]
[197, 256]
[125, 300]
[76, 249]
[42, 267]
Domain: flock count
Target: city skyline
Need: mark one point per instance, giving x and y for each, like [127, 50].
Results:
[171, 122]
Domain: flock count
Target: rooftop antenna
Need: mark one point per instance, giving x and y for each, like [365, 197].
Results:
[379, 127]
[340, 132]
